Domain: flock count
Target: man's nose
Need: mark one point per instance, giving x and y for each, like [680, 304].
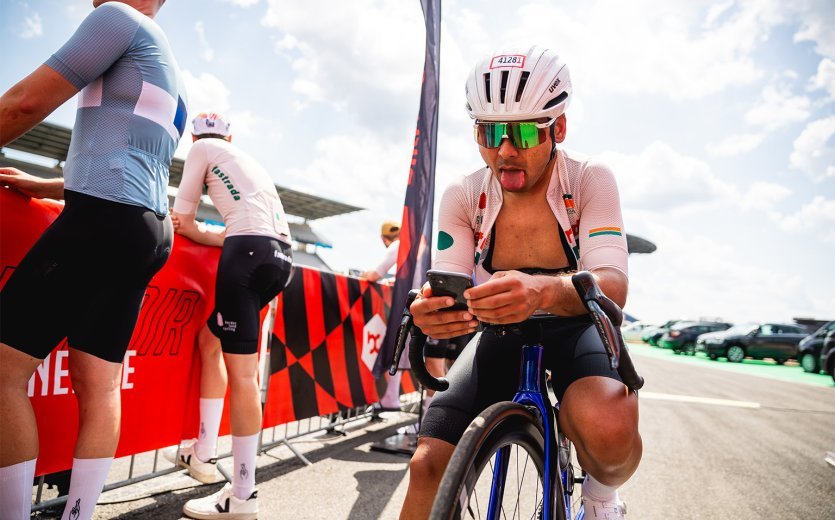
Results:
[506, 148]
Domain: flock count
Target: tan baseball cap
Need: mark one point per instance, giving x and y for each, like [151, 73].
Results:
[390, 229]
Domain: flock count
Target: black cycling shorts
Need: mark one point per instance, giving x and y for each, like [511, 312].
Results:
[487, 371]
[84, 279]
[252, 271]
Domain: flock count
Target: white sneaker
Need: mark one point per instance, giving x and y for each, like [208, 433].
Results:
[185, 457]
[595, 509]
[409, 429]
[223, 504]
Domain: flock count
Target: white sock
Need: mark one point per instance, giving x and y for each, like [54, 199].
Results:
[211, 411]
[86, 483]
[597, 491]
[16, 490]
[244, 453]
[391, 399]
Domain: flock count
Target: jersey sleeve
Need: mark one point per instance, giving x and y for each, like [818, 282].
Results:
[601, 234]
[389, 259]
[456, 245]
[101, 39]
[191, 185]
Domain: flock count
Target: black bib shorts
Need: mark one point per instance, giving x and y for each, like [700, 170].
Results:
[84, 279]
[487, 371]
[252, 271]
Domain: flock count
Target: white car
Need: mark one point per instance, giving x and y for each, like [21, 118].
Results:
[633, 331]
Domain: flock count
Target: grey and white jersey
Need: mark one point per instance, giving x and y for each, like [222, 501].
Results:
[131, 109]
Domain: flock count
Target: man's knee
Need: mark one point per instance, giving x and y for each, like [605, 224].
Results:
[604, 426]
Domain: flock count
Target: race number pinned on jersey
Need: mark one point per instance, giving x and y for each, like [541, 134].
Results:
[507, 60]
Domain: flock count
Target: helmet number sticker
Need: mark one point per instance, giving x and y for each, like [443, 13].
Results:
[508, 60]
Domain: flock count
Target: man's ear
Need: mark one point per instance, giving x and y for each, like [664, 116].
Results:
[560, 129]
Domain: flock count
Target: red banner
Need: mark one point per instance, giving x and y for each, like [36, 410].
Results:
[327, 333]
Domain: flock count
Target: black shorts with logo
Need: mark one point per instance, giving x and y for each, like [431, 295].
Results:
[252, 270]
[487, 371]
[84, 279]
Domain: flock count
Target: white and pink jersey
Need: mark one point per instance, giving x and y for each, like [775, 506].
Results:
[582, 195]
[240, 188]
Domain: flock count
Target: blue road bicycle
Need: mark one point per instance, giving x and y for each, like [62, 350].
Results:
[512, 461]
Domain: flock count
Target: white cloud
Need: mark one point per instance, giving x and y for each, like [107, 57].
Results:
[736, 144]
[778, 107]
[341, 56]
[814, 150]
[817, 18]
[661, 179]
[825, 78]
[657, 50]
[693, 275]
[764, 196]
[361, 169]
[208, 53]
[817, 216]
[242, 3]
[32, 27]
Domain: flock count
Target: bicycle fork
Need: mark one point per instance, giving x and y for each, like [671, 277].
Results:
[531, 396]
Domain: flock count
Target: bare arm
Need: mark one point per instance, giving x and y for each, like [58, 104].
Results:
[371, 276]
[31, 100]
[185, 225]
[32, 186]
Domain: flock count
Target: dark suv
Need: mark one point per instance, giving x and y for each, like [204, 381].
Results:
[809, 349]
[682, 336]
[768, 340]
[653, 334]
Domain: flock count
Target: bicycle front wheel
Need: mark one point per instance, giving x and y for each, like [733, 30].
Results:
[512, 431]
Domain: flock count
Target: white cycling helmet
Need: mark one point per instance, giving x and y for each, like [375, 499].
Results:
[518, 83]
[211, 123]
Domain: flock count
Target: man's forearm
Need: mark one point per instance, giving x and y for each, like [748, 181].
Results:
[561, 298]
[204, 236]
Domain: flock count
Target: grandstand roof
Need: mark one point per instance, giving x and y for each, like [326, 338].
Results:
[53, 141]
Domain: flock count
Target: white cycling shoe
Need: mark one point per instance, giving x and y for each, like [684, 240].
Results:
[223, 505]
[598, 510]
[185, 457]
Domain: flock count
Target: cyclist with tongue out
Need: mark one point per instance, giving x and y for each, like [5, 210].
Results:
[519, 227]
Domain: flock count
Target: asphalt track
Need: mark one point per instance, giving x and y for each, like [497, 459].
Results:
[721, 441]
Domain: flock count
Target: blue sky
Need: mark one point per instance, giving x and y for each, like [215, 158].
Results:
[718, 118]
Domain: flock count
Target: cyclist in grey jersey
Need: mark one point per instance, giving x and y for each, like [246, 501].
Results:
[130, 117]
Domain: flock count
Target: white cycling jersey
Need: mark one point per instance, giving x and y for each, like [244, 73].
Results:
[582, 194]
[239, 187]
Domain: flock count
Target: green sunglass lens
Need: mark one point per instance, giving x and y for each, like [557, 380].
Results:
[524, 135]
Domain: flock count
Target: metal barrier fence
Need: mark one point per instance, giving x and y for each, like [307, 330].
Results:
[145, 466]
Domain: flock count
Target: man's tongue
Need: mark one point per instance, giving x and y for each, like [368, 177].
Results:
[513, 179]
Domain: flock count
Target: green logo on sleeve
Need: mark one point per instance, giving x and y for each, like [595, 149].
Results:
[445, 240]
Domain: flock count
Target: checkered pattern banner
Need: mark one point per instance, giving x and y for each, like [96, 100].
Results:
[327, 335]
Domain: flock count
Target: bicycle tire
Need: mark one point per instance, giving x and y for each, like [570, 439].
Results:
[502, 424]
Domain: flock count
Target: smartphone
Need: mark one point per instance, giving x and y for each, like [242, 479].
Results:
[445, 283]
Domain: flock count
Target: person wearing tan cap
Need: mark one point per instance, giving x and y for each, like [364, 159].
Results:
[390, 233]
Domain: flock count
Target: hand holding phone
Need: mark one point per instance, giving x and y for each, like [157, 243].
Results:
[445, 283]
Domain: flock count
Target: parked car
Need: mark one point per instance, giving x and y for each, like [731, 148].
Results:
[652, 335]
[682, 336]
[809, 349]
[633, 331]
[827, 359]
[777, 341]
